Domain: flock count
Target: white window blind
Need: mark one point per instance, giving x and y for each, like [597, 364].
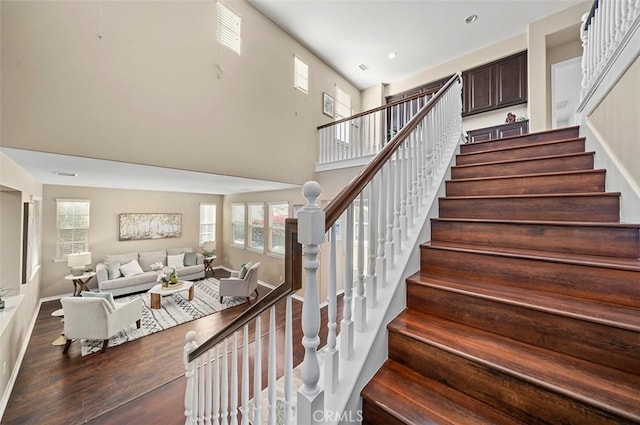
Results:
[72, 218]
[207, 223]
[278, 212]
[301, 74]
[228, 28]
[343, 104]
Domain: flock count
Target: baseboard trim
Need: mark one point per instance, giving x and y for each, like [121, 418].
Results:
[23, 350]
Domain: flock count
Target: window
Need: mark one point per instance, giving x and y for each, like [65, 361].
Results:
[300, 74]
[207, 223]
[237, 224]
[256, 227]
[343, 110]
[228, 30]
[343, 104]
[72, 222]
[278, 212]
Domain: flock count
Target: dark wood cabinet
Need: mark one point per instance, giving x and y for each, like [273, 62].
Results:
[498, 131]
[495, 85]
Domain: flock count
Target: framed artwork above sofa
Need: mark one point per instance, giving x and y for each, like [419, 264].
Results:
[138, 226]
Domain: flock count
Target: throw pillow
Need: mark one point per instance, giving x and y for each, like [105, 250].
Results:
[113, 270]
[132, 268]
[244, 269]
[190, 258]
[175, 261]
[106, 295]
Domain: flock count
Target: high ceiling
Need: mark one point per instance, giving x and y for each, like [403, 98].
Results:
[422, 33]
[345, 34]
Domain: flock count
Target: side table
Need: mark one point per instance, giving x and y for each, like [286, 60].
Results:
[80, 282]
[208, 263]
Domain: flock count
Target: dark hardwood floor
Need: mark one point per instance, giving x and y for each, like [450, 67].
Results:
[141, 381]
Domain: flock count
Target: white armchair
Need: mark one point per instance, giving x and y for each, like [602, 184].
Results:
[95, 318]
[236, 287]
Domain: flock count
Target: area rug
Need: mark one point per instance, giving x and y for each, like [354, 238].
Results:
[176, 309]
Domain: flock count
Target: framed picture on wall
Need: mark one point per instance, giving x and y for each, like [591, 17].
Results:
[328, 105]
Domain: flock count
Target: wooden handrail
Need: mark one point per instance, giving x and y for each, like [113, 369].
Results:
[293, 282]
[293, 250]
[371, 111]
[592, 13]
[342, 201]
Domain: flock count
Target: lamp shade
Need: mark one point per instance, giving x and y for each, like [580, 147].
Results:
[79, 259]
[209, 247]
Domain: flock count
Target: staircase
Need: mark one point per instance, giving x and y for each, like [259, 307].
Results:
[526, 308]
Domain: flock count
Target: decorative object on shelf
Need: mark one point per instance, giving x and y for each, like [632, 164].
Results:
[3, 292]
[173, 277]
[209, 248]
[328, 105]
[511, 117]
[150, 226]
[78, 262]
[520, 119]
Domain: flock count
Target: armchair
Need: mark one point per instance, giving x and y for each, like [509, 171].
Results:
[95, 318]
[236, 287]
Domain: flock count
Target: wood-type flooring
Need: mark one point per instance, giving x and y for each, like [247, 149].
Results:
[139, 382]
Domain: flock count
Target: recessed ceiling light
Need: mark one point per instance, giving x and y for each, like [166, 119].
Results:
[65, 174]
[471, 19]
[392, 55]
[363, 66]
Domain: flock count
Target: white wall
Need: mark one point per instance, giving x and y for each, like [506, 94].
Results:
[147, 82]
[13, 331]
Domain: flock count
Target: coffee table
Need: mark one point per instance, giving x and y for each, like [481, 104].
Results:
[157, 292]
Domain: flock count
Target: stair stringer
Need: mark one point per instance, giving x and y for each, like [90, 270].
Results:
[370, 352]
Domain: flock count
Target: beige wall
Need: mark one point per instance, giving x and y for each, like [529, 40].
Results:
[14, 333]
[540, 38]
[617, 120]
[106, 204]
[156, 88]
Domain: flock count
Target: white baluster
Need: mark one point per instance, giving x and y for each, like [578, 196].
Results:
[346, 325]
[585, 53]
[331, 358]
[414, 174]
[201, 392]
[224, 386]
[310, 234]
[381, 262]
[209, 391]
[419, 132]
[257, 374]
[371, 279]
[403, 190]
[389, 248]
[216, 386]
[397, 200]
[288, 364]
[409, 176]
[189, 367]
[245, 375]
[271, 384]
[234, 381]
[619, 19]
[360, 301]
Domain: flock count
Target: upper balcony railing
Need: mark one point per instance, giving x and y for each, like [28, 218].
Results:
[364, 135]
[605, 32]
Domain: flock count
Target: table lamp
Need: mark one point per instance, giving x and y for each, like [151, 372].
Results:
[209, 248]
[78, 262]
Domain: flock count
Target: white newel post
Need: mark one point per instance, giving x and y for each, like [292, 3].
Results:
[189, 396]
[310, 236]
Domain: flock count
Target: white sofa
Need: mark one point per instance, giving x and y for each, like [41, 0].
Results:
[147, 279]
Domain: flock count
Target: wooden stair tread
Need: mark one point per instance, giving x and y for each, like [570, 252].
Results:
[400, 391]
[600, 386]
[613, 315]
[631, 264]
[544, 223]
[531, 145]
[523, 136]
[536, 195]
[533, 158]
[519, 176]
